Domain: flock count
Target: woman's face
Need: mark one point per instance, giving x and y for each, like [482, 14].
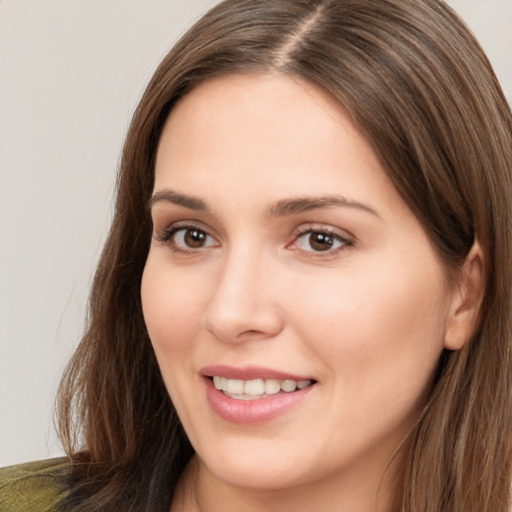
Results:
[285, 266]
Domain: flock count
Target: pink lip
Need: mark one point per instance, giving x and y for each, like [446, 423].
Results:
[247, 412]
[249, 373]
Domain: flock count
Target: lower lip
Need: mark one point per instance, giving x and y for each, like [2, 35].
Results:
[247, 412]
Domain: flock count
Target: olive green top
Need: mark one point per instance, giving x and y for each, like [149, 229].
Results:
[33, 487]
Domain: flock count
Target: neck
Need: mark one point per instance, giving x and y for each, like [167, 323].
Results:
[199, 490]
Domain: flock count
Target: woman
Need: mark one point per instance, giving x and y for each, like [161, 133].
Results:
[304, 301]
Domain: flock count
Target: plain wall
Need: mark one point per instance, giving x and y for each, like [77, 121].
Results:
[71, 73]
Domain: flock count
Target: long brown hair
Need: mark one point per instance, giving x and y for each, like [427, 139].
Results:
[420, 88]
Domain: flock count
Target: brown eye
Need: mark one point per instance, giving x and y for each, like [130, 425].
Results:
[183, 238]
[321, 241]
[194, 238]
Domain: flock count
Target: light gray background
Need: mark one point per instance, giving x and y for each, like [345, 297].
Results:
[71, 73]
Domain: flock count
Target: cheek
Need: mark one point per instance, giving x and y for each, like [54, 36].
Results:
[172, 305]
[381, 332]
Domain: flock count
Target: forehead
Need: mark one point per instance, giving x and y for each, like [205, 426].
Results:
[266, 134]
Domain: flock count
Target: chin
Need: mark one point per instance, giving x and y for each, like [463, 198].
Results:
[258, 476]
[256, 465]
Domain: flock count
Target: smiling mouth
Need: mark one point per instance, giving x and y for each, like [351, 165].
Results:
[256, 389]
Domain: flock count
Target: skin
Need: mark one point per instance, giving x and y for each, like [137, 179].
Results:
[367, 319]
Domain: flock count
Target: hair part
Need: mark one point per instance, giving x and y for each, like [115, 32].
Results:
[421, 90]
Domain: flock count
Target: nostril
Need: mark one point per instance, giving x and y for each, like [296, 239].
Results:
[251, 333]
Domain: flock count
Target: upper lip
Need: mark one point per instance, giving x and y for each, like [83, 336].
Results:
[249, 373]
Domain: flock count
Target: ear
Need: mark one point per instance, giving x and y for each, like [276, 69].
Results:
[464, 315]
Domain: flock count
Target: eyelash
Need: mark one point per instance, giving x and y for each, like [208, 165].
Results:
[345, 243]
[167, 237]
[170, 232]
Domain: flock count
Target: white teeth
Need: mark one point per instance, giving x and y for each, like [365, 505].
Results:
[256, 388]
[288, 385]
[235, 386]
[272, 386]
[219, 382]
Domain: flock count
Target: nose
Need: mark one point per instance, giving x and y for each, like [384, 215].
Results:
[244, 304]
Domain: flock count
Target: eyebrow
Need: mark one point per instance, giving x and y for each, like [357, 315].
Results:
[304, 204]
[169, 196]
[282, 208]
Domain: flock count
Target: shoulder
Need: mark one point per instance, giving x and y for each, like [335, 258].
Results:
[36, 486]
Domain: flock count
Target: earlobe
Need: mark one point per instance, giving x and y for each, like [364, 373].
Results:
[464, 316]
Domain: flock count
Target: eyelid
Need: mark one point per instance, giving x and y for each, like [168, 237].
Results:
[343, 236]
[346, 239]
[170, 230]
